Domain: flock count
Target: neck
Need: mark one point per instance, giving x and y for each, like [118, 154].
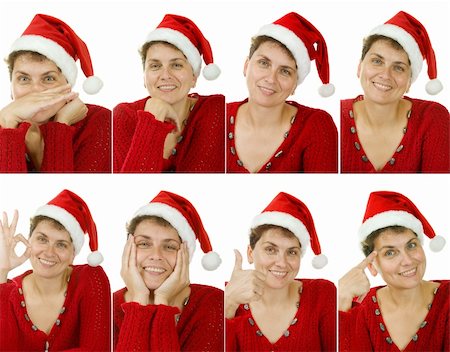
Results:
[183, 108]
[265, 117]
[276, 297]
[408, 297]
[50, 286]
[378, 116]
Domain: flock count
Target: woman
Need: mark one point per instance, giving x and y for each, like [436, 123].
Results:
[266, 133]
[384, 130]
[47, 128]
[409, 313]
[159, 310]
[172, 130]
[56, 305]
[268, 309]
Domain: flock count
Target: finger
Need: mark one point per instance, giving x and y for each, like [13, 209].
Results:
[126, 252]
[178, 264]
[369, 259]
[237, 261]
[260, 276]
[185, 272]
[132, 262]
[12, 227]
[19, 238]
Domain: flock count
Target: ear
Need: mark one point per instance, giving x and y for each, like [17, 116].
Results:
[245, 67]
[358, 73]
[194, 81]
[373, 269]
[250, 254]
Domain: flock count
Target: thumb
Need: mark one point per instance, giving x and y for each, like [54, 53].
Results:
[238, 261]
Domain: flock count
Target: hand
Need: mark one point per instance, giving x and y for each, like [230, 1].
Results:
[177, 281]
[355, 283]
[71, 113]
[163, 112]
[244, 286]
[137, 290]
[8, 242]
[36, 107]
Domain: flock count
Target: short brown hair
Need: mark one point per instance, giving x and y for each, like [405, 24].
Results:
[34, 222]
[257, 232]
[144, 48]
[371, 39]
[131, 226]
[261, 39]
[368, 244]
[12, 57]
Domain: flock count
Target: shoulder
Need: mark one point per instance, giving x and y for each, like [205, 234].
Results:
[429, 109]
[136, 105]
[119, 297]
[97, 109]
[307, 111]
[234, 106]
[86, 275]
[206, 293]
[321, 285]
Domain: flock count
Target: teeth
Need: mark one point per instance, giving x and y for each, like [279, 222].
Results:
[278, 273]
[409, 272]
[382, 86]
[46, 262]
[154, 269]
[167, 87]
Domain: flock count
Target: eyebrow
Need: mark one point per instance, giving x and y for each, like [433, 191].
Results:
[43, 234]
[390, 247]
[395, 62]
[273, 244]
[150, 238]
[42, 74]
[283, 66]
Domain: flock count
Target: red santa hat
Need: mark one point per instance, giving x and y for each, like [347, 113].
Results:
[413, 37]
[386, 208]
[55, 40]
[305, 43]
[73, 213]
[182, 215]
[187, 37]
[292, 214]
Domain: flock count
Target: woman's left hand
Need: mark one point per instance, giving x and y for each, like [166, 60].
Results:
[177, 281]
[71, 113]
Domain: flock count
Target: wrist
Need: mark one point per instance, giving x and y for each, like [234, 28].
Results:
[140, 298]
[3, 276]
[161, 300]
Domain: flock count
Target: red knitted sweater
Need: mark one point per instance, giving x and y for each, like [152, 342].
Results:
[310, 146]
[425, 147]
[312, 329]
[84, 323]
[139, 139]
[82, 147]
[362, 328]
[154, 328]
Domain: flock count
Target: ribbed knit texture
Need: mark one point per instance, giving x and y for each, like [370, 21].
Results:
[359, 328]
[315, 329]
[85, 323]
[425, 146]
[311, 145]
[139, 139]
[83, 147]
[153, 327]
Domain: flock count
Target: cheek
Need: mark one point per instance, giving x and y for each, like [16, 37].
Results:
[18, 91]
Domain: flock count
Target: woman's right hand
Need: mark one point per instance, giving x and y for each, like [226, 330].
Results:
[8, 242]
[244, 286]
[163, 111]
[355, 283]
[37, 107]
[137, 290]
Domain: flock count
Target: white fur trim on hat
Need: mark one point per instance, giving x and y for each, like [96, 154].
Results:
[434, 86]
[211, 261]
[92, 85]
[391, 218]
[95, 258]
[408, 43]
[52, 51]
[175, 218]
[288, 222]
[211, 72]
[293, 43]
[181, 42]
[326, 90]
[67, 220]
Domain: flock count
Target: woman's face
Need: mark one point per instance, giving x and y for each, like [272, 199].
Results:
[156, 252]
[277, 256]
[271, 75]
[384, 73]
[167, 73]
[33, 76]
[52, 250]
[400, 260]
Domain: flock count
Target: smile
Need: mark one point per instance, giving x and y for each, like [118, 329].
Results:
[279, 274]
[167, 88]
[266, 91]
[152, 269]
[409, 273]
[47, 262]
[381, 86]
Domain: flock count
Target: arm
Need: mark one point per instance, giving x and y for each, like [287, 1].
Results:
[327, 329]
[321, 153]
[13, 149]
[138, 140]
[9, 332]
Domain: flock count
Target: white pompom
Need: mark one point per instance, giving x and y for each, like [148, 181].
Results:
[434, 86]
[95, 258]
[326, 90]
[211, 72]
[437, 243]
[319, 261]
[92, 85]
[211, 261]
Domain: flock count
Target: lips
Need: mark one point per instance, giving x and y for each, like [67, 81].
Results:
[278, 274]
[381, 86]
[409, 273]
[154, 270]
[266, 90]
[167, 87]
[47, 262]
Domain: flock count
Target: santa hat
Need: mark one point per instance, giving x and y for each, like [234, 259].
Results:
[292, 214]
[73, 213]
[181, 214]
[386, 208]
[413, 37]
[305, 43]
[55, 40]
[187, 37]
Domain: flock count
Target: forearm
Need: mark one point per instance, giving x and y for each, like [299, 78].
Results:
[13, 149]
[58, 147]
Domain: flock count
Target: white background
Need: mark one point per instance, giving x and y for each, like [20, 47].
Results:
[228, 203]
[115, 30]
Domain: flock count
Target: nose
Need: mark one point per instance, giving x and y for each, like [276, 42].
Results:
[49, 250]
[281, 260]
[271, 75]
[165, 72]
[37, 87]
[406, 259]
[155, 253]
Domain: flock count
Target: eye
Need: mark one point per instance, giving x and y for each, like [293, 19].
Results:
[263, 63]
[171, 247]
[154, 66]
[42, 239]
[389, 253]
[270, 250]
[376, 61]
[49, 79]
[293, 252]
[286, 72]
[412, 245]
[143, 244]
[61, 245]
[399, 68]
[23, 79]
[177, 65]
